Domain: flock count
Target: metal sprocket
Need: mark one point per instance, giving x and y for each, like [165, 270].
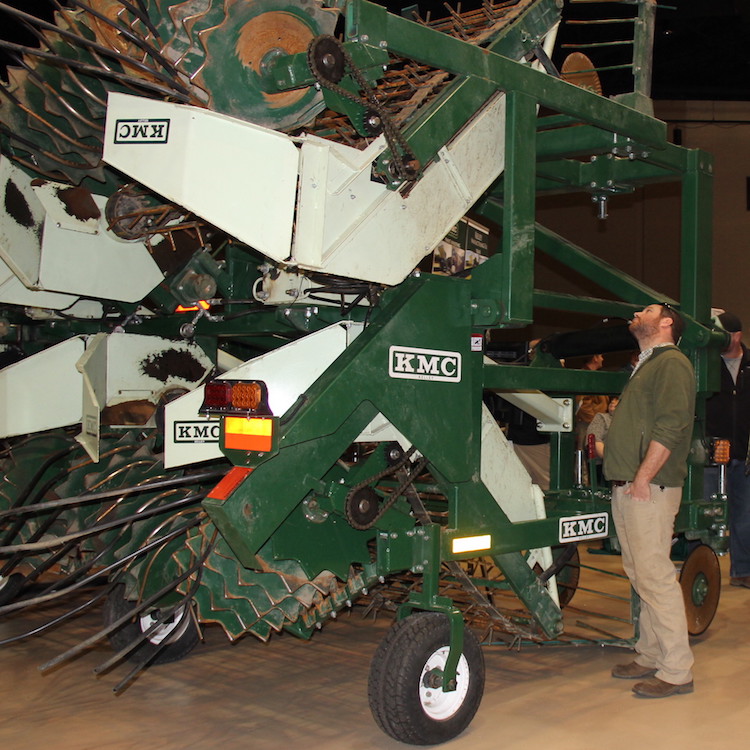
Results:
[237, 49]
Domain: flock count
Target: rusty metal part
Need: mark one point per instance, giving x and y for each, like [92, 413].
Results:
[579, 70]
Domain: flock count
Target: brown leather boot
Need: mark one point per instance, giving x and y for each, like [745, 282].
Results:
[632, 671]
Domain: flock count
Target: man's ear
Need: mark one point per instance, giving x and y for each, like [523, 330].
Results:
[666, 322]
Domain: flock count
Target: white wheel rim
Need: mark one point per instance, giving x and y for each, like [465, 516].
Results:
[439, 705]
[173, 630]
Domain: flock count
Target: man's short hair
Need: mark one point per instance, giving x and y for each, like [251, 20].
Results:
[678, 324]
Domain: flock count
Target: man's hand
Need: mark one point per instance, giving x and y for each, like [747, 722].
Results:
[656, 456]
[639, 490]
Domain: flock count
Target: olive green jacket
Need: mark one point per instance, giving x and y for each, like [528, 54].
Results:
[658, 403]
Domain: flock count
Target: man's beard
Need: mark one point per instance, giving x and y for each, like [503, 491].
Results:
[642, 330]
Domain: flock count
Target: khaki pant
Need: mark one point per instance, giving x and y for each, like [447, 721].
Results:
[645, 533]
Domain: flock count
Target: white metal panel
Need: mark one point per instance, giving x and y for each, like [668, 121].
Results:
[509, 483]
[243, 178]
[21, 218]
[95, 264]
[43, 391]
[382, 239]
[93, 366]
[238, 176]
[145, 367]
[13, 292]
[505, 476]
[49, 250]
[288, 372]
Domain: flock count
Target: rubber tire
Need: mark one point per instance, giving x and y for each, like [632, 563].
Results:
[9, 587]
[395, 672]
[179, 644]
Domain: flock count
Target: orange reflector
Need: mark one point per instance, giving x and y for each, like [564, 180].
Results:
[246, 396]
[243, 434]
[230, 483]
[202, 305]
[721, 451]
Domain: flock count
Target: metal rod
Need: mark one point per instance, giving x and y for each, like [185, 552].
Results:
[106, 494]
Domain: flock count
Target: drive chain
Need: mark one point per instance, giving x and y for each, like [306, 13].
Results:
[404, 166]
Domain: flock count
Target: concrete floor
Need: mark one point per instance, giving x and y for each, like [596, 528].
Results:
[293, 693]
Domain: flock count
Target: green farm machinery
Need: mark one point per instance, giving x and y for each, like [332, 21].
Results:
[255, 255]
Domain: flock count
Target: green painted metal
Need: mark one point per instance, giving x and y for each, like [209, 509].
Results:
[517, 256]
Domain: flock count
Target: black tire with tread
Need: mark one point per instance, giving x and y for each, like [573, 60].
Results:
[395, 672]
[178, 647]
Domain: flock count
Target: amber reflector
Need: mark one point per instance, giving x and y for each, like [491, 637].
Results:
[721, 451]
[246, 396]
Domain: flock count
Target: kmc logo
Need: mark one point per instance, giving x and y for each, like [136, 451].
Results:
[576, 528]
[411, 363]
[197, 431]
[141, 131]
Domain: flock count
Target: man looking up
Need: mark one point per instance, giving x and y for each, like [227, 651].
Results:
[647, 448]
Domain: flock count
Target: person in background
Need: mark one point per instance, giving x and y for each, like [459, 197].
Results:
[646, 461]
[587, 407]
[600, 426]
[728, 416]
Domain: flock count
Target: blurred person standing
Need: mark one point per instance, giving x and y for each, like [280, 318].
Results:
[728, 416]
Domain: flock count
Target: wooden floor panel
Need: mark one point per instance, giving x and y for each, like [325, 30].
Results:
[302, 694]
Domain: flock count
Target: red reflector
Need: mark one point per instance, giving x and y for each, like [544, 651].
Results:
[230, 483]
[217, 394]
[248, 434]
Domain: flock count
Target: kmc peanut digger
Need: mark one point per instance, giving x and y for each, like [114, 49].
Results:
[254, 259]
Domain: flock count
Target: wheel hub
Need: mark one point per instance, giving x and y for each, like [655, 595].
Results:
[437, 703]
[173, 627]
